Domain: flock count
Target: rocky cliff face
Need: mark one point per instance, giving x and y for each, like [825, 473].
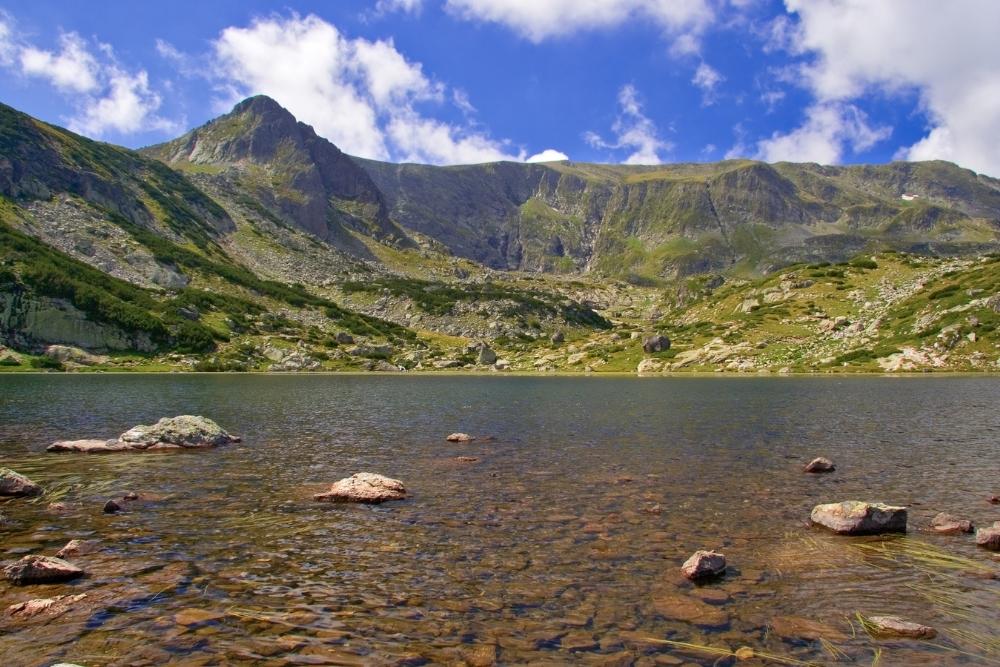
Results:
[260, 151]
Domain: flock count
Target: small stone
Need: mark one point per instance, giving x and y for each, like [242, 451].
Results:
[993, 500]
[131, 495]
[113, 507]
[820, 465]
[364, 487]
[795, 627]
[193, 616]
[744, 653]
[950, 525]
[896, 626]
[466, 459]
[704, 565]
[854, 517]
[78, 548]
[460, 437]
[15, 484]
[989, 538]
[41, 570]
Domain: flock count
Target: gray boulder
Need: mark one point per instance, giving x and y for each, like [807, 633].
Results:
[15, 484]
[657, 343]
[854, 517]
[182, 432]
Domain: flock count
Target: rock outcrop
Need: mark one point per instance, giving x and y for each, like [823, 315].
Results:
[182, 432]
[854, 517]
[364, 487]
[15, 484]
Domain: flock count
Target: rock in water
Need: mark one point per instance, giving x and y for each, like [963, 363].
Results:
[182, 432]
[364, 487]
[949, 525]
[78, 548]
[989, 538]
[896, 626]
[703, 565]
[16, 484]
[41, 570]
[854, 517]
[460, 437]
[658, 343]
[820, 464]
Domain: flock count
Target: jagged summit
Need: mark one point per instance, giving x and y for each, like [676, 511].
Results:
[300, 176]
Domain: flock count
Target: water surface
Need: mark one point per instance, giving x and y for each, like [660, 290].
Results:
[560, 544]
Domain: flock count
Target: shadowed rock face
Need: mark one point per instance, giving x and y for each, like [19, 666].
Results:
[41, 570]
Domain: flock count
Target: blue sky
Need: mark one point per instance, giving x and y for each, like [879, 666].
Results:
[452, 81]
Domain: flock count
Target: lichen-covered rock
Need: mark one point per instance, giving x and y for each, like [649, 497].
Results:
[15, 484]
[854, 517]
[40, 570]
[75, 355]
[364, 487]
[989, 538]
[898, 627]
[658, 343]
[704, 565]
[182, 432]
[949, 525]
[820, 464]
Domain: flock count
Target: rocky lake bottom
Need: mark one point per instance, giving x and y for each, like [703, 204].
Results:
[556, 540]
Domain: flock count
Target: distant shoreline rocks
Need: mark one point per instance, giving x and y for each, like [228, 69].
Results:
[181, 432]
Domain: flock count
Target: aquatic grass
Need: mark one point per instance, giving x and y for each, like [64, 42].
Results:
[922, 555]
[726, 653]
[987, 644]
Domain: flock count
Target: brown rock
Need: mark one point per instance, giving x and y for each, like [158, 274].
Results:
[466, 459]
[15, 484]
[898, 627]
[192, 616]
[704, 565]
[48, 606]
[677, 607]
[460, 437]
[41, 570]
[989, 538]
[364, 487]
[78, 548]
[950, 525]
[795, 627]
[820, 465]
[853, 517]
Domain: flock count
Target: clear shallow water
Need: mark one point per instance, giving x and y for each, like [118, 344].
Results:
[560, 545]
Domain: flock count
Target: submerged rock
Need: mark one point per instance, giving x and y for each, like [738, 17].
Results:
[41, 570]
[78, 548]
[949, 525]
[820, 464]
[796, 627]
[460, 437]
[898, 627]
[182, 432]
[677, 607]
[48, 607]
[364, 487]
[989, 538]
[704, 565]
[15, 484]
[854, 517]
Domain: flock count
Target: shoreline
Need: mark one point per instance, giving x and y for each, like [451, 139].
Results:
[532, 374]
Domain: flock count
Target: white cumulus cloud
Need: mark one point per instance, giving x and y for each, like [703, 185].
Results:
[707, 78]
[362, 95]
[548, 155]
[634, 132]
[538, 20]
[829, 129]
[106, 95]
[946, 52]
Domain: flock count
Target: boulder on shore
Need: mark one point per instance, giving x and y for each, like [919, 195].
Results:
[40, 570]
[15, 484]
[898, 627]
[854, 517]
[989, 538]
[950, 525]
[364, 487]
[182, 432]
[658, 343]
[704, 565]
[820, 464]
[460, 437]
